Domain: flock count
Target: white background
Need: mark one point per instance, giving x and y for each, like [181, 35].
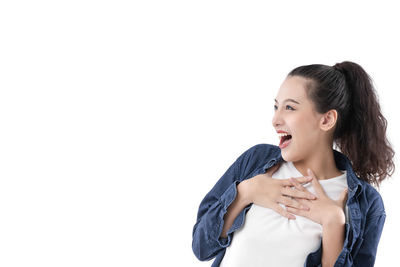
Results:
[117, 117]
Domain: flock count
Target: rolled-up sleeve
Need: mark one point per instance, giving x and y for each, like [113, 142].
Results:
[366, 255]
[206, 243]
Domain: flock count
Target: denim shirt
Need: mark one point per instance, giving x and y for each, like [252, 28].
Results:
[362, 231]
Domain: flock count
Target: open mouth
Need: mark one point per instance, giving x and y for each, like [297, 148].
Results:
[285, 140]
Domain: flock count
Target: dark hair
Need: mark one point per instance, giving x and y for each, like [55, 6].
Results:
[360, 131]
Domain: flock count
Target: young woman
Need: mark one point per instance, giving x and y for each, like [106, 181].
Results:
[330, 214]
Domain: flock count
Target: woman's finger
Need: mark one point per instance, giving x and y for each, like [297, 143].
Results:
[301, 180]
[317, 186]
[297, 185]
[343, 198]
[297, 211]
[283, 212]
[297, 193]
[290, 202]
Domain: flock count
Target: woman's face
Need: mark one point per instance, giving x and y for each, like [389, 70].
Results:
[300, 120]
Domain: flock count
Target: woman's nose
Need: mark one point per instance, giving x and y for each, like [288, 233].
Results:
[276, 119]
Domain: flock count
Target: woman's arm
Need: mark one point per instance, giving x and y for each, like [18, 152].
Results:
[363, 251]
[240, 202]
[206, 240]
[333, 235]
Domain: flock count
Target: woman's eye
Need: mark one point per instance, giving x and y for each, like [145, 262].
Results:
[290, 107]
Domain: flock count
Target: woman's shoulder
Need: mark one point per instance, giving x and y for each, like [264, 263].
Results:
[263, 149]
[258, 155]
[373, 200]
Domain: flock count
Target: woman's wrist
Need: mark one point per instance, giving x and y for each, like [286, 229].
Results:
[337, 218]
[244, 192]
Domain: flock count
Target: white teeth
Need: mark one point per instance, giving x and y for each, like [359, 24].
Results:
[282, 134]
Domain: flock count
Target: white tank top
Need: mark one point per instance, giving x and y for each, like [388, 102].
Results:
[269, 239]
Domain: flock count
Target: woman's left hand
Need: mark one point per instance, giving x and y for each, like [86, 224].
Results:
[322, 210]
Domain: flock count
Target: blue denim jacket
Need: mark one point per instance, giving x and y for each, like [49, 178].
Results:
[365, 206]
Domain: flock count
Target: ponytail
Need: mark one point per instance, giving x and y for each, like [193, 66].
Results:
[360, 133]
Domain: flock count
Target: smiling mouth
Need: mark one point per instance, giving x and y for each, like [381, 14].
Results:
[285, 141]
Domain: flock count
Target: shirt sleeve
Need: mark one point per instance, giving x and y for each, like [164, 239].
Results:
[366, 254]
[206, 243]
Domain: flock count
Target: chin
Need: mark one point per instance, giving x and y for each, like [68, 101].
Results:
[285, 156]
[289, 156]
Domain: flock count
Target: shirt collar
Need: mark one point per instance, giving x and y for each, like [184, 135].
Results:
[342, 162]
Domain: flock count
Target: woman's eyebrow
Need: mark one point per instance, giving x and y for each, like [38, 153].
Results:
[288, 100]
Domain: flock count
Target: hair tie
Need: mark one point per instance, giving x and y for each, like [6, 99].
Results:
[338, 68]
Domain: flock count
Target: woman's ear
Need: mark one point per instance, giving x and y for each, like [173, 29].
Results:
[328, 120]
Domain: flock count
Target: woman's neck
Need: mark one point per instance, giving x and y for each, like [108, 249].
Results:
[321, 163]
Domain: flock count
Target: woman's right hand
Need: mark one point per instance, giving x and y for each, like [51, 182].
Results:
[265, 191]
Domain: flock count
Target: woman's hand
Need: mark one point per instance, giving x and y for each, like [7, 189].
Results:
[323, 210]
[265, 191]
